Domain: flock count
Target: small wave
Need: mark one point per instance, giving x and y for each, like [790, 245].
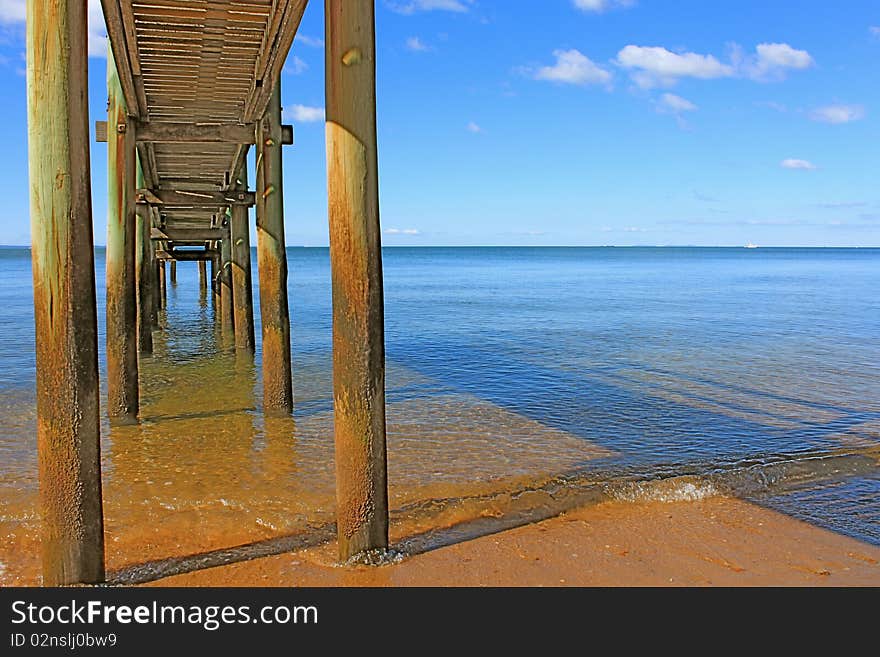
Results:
[675, 489]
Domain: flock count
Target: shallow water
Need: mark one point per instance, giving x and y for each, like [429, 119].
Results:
[520, 381]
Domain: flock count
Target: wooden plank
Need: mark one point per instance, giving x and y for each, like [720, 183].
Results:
[196, 133]
[119, 49]
[195, 199]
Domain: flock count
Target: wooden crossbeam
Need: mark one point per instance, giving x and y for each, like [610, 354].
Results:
[187, 256]
[186, 234]
[195, 199]
[204, 133]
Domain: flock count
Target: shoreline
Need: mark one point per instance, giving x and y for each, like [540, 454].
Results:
[718, 541]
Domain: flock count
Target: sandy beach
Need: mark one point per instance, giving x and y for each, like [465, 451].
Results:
[712, 542]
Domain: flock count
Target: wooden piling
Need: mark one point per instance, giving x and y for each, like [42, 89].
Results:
[154, 277]
[163, 287]
[143, 273]
[62, 252]
[122, 341]
[242, 290]
[272, 263]
[215, 288]
[356, 262]
[173, 267]
[227, 312]
[203, 276]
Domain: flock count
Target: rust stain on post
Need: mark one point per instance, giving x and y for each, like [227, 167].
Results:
[272, 265]
[68, 428]
[356, 260]
[242, 290]
[227, 310]
[122, 344]
[144, 274]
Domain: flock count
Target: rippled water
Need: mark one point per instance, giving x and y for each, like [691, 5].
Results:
[519, 381]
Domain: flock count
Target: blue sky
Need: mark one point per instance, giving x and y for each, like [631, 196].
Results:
[572, 122]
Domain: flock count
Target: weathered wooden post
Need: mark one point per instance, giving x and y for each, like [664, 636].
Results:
[163, 286]
[154, 276]
[227, 311]
[203, 277]
[356, 262]
[215, 290]
[173, 272]
[62, 252]
[272, 263]
[242, 291]
[122, 342]
[144, 273]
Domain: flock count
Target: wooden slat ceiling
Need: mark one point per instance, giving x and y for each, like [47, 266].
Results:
[198, 61]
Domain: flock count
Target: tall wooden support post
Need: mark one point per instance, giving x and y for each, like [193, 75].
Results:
[163, 286]
[174, 272]
[242, 291]
[122, 345]
[215, 289]
[155, 295]
[356, 262]
[227, 312]
[68, 425]
[203, 277]
[272, 263]
[144, 273]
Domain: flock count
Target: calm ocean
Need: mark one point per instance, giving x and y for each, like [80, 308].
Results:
[753, 372]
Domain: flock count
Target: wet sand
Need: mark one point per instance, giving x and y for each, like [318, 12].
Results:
[712, 542]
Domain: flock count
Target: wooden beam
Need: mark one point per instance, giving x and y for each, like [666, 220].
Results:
[356, 272]
[195, 199]
[119, 51]
[194, 235]
[62, 260]
[194, 255]
[272, 265]
[122, 345]
[276, 44]
[196, 133]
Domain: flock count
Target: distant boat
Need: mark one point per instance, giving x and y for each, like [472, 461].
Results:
[751, 246]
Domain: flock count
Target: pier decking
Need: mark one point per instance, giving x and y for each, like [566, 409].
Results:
[191, 87]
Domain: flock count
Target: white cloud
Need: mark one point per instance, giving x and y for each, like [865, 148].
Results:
[473, 127]
[803, 165]
[675, 104]
[417, 45]
[572, 67]
[659, 67]
[598, 6]
[875, 30]
[13, 11]
[771, 61]
[295, 66]
[838, 113]
[407, 8]
[402, 231]
[312, 42]
[304, 114]
[653, 66]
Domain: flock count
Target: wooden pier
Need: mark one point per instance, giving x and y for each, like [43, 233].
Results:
[192, 85]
